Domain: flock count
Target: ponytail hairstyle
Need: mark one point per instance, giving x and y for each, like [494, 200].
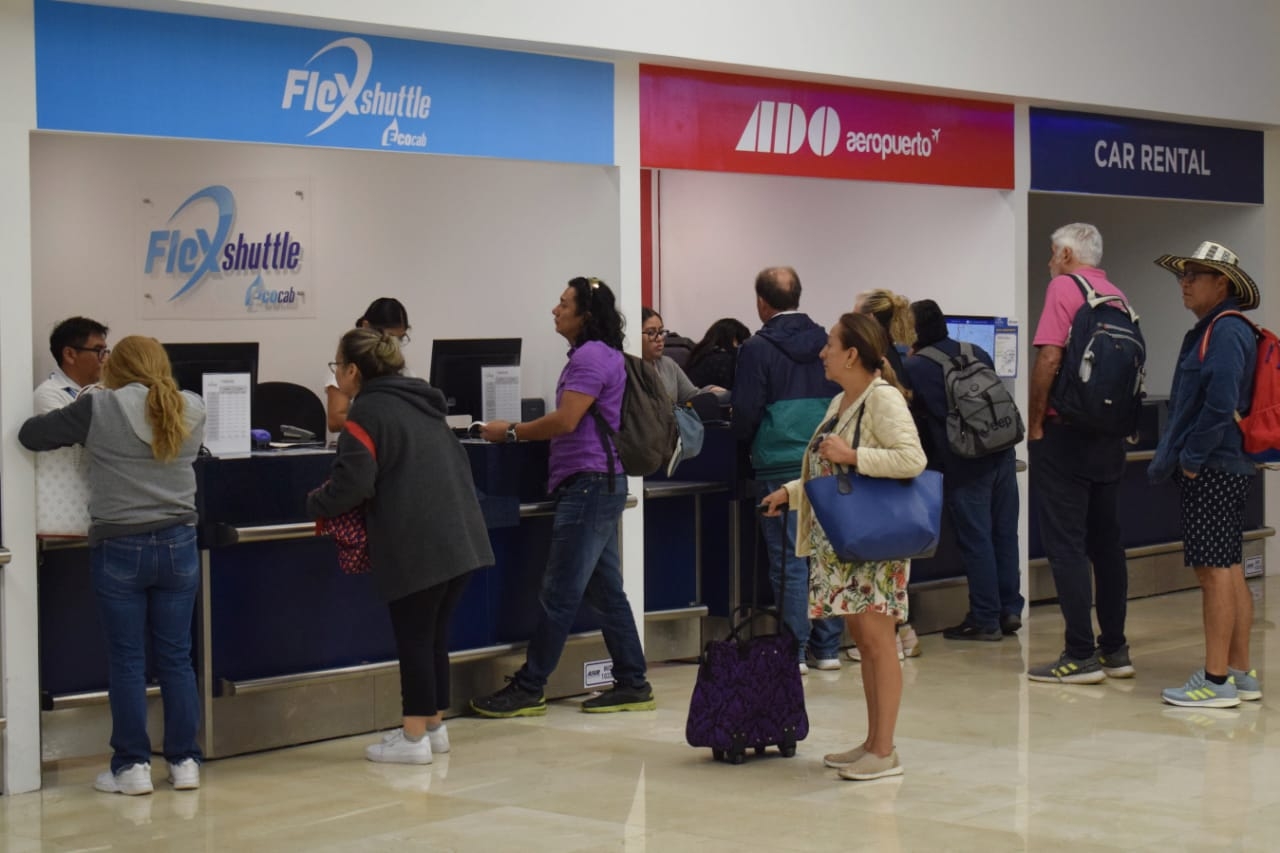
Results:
[599, 310]
[862, 334]
[141, 360]
[373, 352]
[892, 312]
[384, 313]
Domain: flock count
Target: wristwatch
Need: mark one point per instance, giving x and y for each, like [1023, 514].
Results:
[511, 433]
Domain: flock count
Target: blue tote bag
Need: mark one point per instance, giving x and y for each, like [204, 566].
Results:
[877, 518]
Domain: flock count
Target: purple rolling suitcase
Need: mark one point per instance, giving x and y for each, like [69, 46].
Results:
[748, 694]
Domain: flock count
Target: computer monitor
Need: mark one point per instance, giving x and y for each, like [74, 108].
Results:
[192, 361]
[455, 369]
[980, 331]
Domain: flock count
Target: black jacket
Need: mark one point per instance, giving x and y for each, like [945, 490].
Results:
[423, 517]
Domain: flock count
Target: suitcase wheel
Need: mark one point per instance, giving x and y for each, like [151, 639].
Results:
[760, 750]
[737, 757]
[717, 754]
[788, 751]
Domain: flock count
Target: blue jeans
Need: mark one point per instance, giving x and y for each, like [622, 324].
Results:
[1077, 480]
[584, 564]
[984, 515]
[146, 588]
[822, 636]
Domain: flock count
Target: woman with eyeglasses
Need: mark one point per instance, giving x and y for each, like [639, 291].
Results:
[424, 541]
[869, 427]
[384, 314]
[141, 436]
[679, 388]
[585, 477]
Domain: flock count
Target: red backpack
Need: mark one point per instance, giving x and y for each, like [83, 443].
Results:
[1261, 426]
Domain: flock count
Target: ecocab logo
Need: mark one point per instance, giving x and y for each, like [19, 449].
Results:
[198, 244]
[783, 128]
[339, 93]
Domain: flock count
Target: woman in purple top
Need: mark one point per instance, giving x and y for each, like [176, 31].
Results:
[584, 562]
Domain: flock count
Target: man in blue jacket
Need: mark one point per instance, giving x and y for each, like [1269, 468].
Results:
[780, 394]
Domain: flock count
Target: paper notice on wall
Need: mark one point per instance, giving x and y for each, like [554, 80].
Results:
[500, 393]
[1006, 352]
[226, 406]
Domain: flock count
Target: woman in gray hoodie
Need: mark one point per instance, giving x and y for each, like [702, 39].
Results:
[401, 464]
[141, 436]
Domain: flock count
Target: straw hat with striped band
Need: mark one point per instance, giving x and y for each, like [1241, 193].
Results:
[1218, 257]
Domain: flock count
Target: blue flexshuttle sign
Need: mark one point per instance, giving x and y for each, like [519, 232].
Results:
[106, 70]
[1113, 155]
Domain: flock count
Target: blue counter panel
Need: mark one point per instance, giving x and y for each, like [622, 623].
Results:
[285, 607]
[669, 568]
[73, 653]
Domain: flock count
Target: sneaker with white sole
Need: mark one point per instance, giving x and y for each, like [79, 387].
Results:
[184, 775]
[1069, 670]
[838, 760]
[871, 766]
[1200, 692]
[908, 642]
[827, 664]
[1116, 664]
[804, 668]
[439, 740]
[132, 780]
[1248, 687]
[395, 748]
[855, 654]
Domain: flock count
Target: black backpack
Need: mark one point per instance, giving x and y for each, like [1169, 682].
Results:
[647, 437]
[982, 417]
[1100, 385]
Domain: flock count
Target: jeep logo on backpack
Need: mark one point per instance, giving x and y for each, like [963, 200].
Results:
[981, 416]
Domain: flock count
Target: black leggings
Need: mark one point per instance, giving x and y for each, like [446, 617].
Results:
[420, 621]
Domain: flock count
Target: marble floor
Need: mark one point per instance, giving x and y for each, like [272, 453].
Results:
[992, 761]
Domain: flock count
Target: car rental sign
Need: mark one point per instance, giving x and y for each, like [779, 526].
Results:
[733, 123]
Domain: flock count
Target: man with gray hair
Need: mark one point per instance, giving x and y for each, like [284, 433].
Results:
[1075, 474]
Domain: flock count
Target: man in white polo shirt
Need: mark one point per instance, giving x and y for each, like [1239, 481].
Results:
[79, 347]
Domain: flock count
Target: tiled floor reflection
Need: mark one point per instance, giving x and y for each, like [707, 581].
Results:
[992, 761]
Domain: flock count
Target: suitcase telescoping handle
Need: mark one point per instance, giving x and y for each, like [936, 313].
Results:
[745, 615]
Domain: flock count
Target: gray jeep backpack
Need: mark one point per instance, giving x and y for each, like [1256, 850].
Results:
[981, 416]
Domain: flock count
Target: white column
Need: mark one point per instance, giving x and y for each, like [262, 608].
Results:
[19, 646]
[626, 147]
[1021, 300]
[1266, 277]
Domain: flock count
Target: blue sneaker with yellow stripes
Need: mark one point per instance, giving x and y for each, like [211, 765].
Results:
[1248, 687]
[1069, 670]
[1200, 692]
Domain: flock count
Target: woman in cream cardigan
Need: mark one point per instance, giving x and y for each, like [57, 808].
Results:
[871, 596]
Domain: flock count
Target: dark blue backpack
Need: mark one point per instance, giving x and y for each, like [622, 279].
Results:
[1100, 385]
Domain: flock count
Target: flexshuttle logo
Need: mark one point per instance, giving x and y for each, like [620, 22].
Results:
[196, 252]
[337, 94]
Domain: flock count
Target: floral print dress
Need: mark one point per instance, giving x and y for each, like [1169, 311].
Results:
[838, 588]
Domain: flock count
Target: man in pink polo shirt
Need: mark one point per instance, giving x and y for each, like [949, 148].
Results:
[1076, 476]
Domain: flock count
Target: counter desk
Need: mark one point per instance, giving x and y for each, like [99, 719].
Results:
[287, 649]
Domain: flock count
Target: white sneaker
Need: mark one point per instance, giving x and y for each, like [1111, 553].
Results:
[185, 774]
[827, 664]
[439, 740]
[804, 668]
[908, 642]
[856, 655]
[132, 780]
[394, 749]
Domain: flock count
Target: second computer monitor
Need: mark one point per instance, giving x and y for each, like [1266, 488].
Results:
[456, 369]
[191, 362]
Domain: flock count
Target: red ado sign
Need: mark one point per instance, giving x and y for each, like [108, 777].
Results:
[730, 123]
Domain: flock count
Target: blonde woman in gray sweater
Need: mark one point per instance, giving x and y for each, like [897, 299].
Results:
[141, 435]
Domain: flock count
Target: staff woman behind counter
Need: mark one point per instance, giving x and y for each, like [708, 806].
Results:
[384, 314]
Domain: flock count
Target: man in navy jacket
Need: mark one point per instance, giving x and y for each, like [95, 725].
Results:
[780, 394]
